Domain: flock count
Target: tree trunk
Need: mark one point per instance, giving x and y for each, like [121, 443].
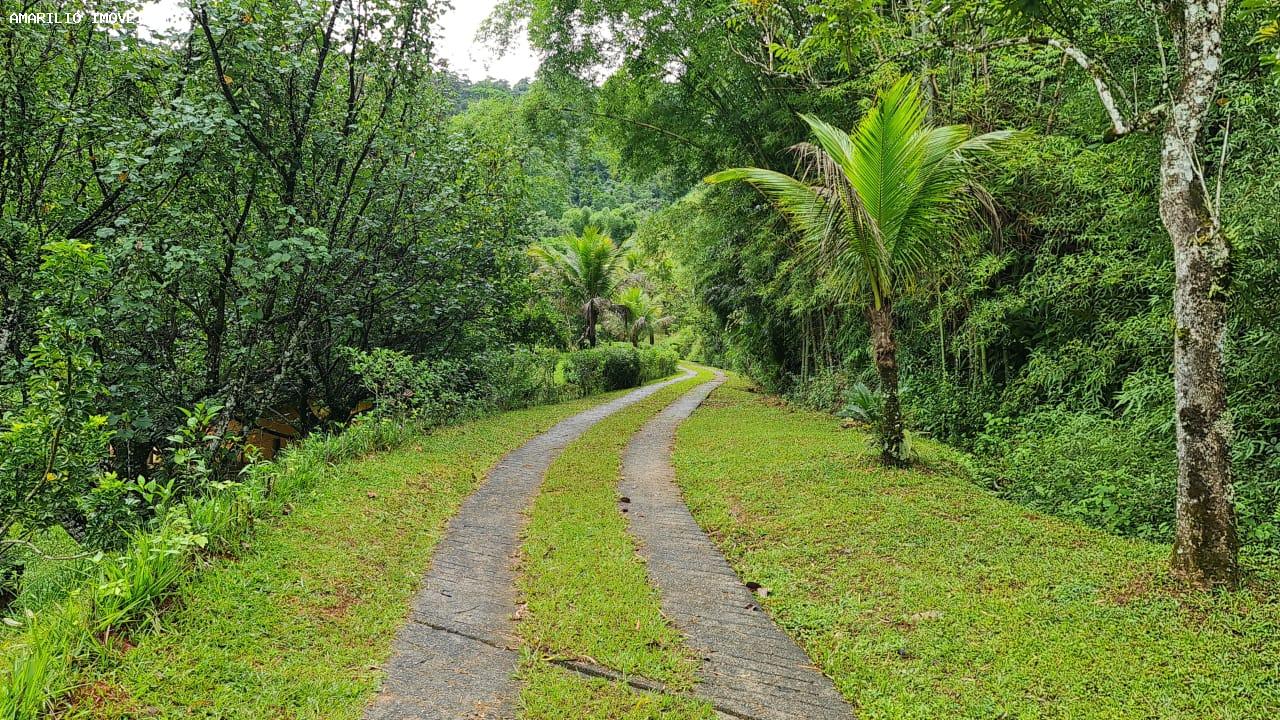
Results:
[591, 323]
[1205, 546]
[885, 352]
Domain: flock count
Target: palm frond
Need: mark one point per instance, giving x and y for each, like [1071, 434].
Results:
[587, 266]
[888, 157]
[809, 211]
[874, 209]
[994, 141]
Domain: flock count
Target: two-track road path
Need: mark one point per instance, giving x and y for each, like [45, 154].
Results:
[455, 658]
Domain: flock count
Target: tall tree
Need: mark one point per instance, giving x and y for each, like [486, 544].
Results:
[587, 267]
[872, 212]
[1205, 545]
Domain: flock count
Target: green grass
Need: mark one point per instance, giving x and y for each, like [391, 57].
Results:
[298, 626]
[47, 580]
[924, 596]
[563, 695]
[584, 588]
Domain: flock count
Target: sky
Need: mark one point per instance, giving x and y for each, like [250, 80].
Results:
[458, 45]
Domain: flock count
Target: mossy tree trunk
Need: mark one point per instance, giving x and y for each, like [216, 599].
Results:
[1205, 547]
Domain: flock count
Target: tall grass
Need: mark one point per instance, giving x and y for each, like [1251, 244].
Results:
[39, 667]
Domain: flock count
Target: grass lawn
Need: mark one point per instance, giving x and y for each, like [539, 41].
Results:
[298, 627]
[584, 588]
[923, 596]
[552, 693]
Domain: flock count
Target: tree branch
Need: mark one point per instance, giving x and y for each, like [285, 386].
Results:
[202, 17]
[655, 128]
[1119, 125]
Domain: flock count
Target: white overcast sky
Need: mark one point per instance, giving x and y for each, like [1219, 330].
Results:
[458, 43]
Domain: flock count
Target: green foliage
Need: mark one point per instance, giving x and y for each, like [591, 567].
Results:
[588, 271]
[1061, 15]
[619, 222]
[641, 315]
[862, 404]
[1268, 36]
[434, 393]
[437, 392]
[520, 377]
[261, 199]
[52, 447]
[1099, 471]
[875, 210]
[430, 391]
[616, 367]
[619, 368]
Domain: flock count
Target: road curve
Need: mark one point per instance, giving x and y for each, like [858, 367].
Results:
[455, 657]
[750, 669]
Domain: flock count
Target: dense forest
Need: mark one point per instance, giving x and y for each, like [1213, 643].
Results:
[215, 224]
[1041, 337]
[1043, 232]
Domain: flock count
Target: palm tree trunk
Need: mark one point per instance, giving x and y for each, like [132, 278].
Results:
[590, 317]
[885, 352]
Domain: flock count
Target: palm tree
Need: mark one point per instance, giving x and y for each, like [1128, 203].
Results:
[588, 268]
[627, 304]
[872, 212]
[640, 314]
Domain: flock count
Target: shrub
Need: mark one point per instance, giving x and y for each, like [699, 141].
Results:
[657, 363]
[862, 404]
[682, 342]
[442, 391]
[52, 448]
[584, 371]
[1094, 469]
[617, 367]
[950, 412]
[521, 377]
[825, 390]
[621, 368]
[436, 391]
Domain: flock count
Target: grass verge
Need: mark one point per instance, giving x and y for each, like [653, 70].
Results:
[298, 626]
[584, 588]
[924, 596]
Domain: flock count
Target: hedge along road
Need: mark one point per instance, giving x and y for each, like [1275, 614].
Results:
[456, 656]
